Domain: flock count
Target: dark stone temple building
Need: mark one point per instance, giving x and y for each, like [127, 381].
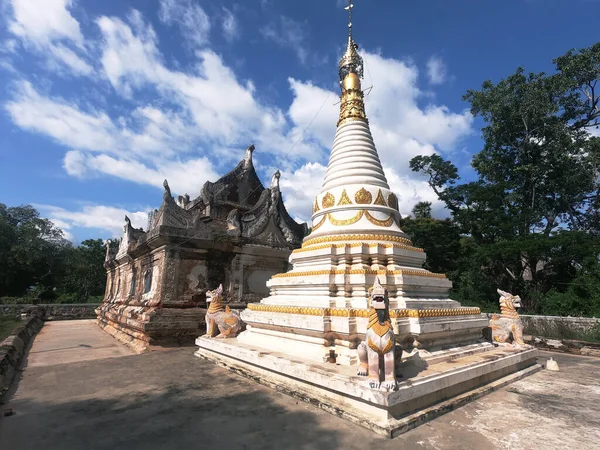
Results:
[237, 232]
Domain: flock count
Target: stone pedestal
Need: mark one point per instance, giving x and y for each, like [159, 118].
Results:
[142, 328]
[428, 386]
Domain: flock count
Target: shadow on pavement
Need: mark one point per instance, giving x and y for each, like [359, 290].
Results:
[202, 409]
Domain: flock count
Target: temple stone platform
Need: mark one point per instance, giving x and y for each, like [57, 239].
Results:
[428, 386]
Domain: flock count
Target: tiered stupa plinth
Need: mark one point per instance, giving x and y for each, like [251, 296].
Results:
[303, 338]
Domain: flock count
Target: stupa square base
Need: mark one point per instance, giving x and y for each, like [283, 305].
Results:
[426, 390]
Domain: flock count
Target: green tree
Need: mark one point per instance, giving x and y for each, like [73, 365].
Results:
[439, 238]
[537, 192]
[422, 210]
[85, 275]
[38, 263]
[31, 252]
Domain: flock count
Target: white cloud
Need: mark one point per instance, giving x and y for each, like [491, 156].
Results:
[203, 116]
[43, 21]
[217, 107]
[62, 121]
[69, 58]
[410, 191]
[184, 176]
[9, 46]
[47, 26]
[288, 33]
[229, 25]
[436, 70]
[6, 64]
[193, 22]
[300, 189]
[147, 131]
[107, 218]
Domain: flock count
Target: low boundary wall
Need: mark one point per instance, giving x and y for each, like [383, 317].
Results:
[54, 311]
[575, 323]
[13, 349]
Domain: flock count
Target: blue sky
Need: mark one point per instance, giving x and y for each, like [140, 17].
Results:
[100, 101]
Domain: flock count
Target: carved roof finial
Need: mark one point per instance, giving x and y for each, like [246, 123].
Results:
[167, 195]
[275, 180]
[248, 157]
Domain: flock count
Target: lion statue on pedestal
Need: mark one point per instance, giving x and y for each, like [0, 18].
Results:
[220, 318]
[376, 353]
[508, 327]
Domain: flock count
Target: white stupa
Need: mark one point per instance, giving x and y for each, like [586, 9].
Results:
[303, 337]
[321, 304]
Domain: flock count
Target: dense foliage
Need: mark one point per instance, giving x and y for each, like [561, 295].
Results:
[38, 265]
[530, 222]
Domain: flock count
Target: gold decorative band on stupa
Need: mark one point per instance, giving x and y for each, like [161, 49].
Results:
[355, 245]
[404, 272]
[320, 224]
[393, 201]
[357, 237]
[344, 199]
[352, 105]
[352, 220]
[380, 223]
[361, 197]
[362, 312]
[328, 200]
[345, 222]
[379, 199]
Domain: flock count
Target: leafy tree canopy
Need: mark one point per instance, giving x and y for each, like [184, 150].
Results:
[36, 260]
[532, 215]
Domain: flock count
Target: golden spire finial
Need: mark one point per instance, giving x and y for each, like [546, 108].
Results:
[349, 9]
[351, 60]
[350, 72]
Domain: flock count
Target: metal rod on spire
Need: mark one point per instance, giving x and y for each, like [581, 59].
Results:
[349, 9]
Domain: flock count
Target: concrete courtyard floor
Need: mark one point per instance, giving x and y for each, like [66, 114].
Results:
[79, 390]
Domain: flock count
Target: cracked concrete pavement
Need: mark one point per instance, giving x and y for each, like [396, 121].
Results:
[107, 398]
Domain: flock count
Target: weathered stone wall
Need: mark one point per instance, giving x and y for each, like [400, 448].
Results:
[126, 282]
[13, 348]
[250, 272]
[168, 314]
[52, 311]
[575, 323]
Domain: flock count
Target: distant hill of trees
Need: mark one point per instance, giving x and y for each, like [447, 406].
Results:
[38, 265]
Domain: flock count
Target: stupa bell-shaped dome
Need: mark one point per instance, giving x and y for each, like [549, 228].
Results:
[351, 82]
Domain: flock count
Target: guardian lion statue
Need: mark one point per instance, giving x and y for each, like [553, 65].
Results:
[377, 352]
[221, 321]
[508, 327]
